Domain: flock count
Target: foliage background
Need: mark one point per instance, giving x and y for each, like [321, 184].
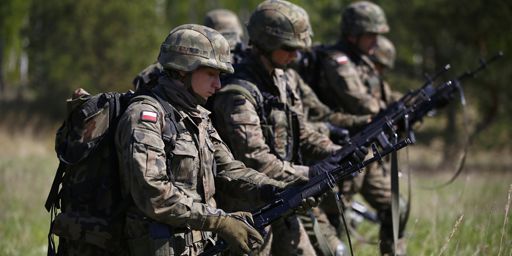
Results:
[49, 48]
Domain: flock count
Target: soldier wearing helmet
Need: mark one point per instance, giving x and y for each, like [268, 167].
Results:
[350, 81]
[225, 22]
[172, 160]
[258, 112]
[384, 54]
[228, 24]
[383, 57]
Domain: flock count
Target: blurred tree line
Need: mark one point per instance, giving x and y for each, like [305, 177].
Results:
[49, 48]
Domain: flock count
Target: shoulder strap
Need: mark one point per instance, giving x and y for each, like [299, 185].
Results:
[174, 127]
[246, 88]
[249, 91]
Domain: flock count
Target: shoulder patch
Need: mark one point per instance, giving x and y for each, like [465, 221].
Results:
[342, 59]
[149, 116]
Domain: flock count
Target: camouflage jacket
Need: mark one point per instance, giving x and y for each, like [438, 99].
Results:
[260, 117]
[318, 114]
[175, 184]
[349, 81]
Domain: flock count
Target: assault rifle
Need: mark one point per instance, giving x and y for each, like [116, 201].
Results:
[381, 134]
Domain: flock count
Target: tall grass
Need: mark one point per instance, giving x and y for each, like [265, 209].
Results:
[28, 163]
[468, 217]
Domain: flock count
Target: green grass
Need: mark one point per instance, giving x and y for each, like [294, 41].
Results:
[26, 171]
[28, 163]
[464, 218]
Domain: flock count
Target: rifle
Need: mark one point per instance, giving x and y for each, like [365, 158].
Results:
[381, 132]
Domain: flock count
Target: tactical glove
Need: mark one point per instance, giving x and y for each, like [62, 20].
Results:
[237, 230]
[308, 203]
[359, 154]
[323, 166]
[268, 191]
[333, 161]
[338, 135]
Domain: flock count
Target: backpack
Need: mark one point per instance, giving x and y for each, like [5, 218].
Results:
[309, 65]
[86, 187]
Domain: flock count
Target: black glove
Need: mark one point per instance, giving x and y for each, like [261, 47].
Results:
[358, 155]
[308, 203]
[323, 166]
[333, 161]
[268, 192]
[338, 135]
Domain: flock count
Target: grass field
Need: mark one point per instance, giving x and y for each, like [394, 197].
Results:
[466, 218]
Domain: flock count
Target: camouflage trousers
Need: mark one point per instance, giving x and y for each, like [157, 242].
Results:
[287, 236]
[375, 187]
[322, 233]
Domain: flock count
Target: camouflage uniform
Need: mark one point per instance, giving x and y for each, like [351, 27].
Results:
[171, 169]
[349, 80]
[259, 113]
[324, 120]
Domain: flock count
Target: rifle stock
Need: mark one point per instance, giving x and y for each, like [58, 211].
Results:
[381, 134]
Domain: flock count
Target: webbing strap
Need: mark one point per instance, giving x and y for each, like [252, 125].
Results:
[322, 241]
[51, 200]
[395, 194]
[344, 221]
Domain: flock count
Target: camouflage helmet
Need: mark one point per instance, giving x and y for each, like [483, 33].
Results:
[278, 23]
[384, 52]
[227, 23]
[363, 17]
[190, 46]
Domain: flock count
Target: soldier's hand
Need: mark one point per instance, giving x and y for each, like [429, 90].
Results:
[308, 203]
[359, 154]
[268, 191]
[324, 166]
[362, 120]
[236, 228]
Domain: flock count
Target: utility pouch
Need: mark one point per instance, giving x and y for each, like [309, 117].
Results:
[89, 229]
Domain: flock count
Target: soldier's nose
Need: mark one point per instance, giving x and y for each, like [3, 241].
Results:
[216, 83]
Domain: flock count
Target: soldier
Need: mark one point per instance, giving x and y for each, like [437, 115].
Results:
[383, 57]
[259, 112]
[333, 123]
[173, 160]
[228, 24]
[384, 54]
[350, 81]
[224, 21]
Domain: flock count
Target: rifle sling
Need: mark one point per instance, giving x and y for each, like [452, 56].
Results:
[395, 194]
[51, 200]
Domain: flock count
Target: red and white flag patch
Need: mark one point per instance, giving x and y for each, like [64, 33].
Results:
[342, 59]
[148, 116]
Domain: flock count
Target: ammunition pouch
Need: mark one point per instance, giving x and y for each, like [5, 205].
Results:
[147, 237]
[90, 230]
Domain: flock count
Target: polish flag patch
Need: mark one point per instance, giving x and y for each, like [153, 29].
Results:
[342, 59]
[148, 116]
